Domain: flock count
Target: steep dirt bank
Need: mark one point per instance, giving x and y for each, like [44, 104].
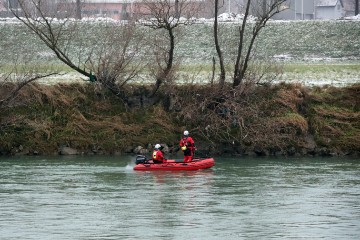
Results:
[269, 120]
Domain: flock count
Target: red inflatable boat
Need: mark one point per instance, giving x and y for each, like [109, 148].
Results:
[173, 165]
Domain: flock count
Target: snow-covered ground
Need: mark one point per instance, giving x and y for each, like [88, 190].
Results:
[298, 43]
[357, 17]
[308, 78]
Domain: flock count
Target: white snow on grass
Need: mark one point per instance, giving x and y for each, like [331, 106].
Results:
[357, 17]
[287, 42]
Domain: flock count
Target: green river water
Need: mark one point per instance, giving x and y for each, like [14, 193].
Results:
[239, 198]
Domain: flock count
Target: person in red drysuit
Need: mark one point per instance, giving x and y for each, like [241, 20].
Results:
[187, 145]
[157, 155]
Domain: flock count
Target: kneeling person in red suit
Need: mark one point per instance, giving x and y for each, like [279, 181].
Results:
[158, 156]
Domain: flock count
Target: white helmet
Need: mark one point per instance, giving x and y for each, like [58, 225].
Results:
[157, 146]
[186, 133]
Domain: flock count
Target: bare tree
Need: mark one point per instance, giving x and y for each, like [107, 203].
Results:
[263, 11]
[38, 19]
[117, 61]
[217, 45]
[168, 15]
[17, 70]
[107, 61]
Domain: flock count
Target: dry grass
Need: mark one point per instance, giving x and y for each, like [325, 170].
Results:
[273, 117]
[335, 117]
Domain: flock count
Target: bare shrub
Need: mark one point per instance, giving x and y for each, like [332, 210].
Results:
[166, 16]
[110, 60]
[248, 33]
[266, 116]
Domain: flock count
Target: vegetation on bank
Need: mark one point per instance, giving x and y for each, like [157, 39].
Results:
[283, 119]
[141, 93]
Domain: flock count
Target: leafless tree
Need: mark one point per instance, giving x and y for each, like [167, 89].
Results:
[109, 59]
[18, 72]
[217, 45]
[167, 15]
[117, 61]
[263, 11]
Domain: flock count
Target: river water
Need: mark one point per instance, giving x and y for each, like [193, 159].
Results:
[247, 198]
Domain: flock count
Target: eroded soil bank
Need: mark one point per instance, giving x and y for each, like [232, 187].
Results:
[283, 119]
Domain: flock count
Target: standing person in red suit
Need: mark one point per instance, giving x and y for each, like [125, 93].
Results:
[158, 156]
[187, 145]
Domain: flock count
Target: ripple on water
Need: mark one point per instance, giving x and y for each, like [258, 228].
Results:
[253, 198]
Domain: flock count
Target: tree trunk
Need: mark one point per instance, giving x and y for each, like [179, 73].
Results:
[169, 63]
[242, 62]
[171, 50]
[356, 7]
[217, 46]
[238, 73]
[213, 71]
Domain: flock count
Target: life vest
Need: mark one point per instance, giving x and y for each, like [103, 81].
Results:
[186, 143]
[154, 154]
[157, 155]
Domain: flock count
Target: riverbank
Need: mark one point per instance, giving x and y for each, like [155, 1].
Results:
[282, 119]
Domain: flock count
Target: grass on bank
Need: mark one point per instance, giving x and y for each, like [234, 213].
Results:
[322, 68]
[335, 116]
[273, 118]
[201, 73]
[193, 68]
[47, 117]
[33, 68]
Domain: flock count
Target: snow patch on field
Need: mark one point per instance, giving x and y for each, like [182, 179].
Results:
[357, 17]
[286, 42]
[308, 79]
